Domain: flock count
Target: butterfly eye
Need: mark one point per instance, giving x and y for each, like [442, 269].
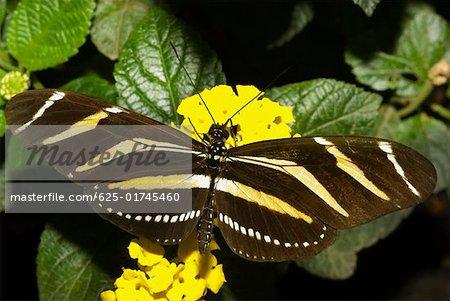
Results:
[225, 134]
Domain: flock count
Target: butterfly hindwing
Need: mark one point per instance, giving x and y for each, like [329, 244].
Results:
[258, 233]
[164, 228]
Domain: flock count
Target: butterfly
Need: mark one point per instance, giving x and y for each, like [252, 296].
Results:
[274, 200]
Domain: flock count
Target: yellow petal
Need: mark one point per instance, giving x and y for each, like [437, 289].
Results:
[194, 289]
[213, 246]
[176, 292]
[215, 278]
[143, 294]
[108, 296]
[206, 263]
[188, 249]
[161, 277]
[190, 271]
[127, 295]
[146, 252]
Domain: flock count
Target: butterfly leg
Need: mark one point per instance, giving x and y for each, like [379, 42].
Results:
[233, 132]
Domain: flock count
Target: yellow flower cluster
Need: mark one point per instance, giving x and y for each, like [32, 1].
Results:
[13, 83]
[187, 277]
[262, 119]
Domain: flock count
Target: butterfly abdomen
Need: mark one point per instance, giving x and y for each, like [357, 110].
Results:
[206, 224]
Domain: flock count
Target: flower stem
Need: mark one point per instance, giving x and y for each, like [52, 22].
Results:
[36, 83]
[443, 112]
[417, 100]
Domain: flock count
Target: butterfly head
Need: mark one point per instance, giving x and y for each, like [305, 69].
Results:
[218, 132]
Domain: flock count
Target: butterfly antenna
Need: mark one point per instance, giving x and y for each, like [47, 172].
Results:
[259, 94]
[190, 79]
[195, 130]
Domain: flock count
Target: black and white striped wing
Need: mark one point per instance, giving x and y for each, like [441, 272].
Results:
[164, 228]
[283, 199]
[79, 113]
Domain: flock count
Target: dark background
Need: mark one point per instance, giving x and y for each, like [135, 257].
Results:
[412, 263]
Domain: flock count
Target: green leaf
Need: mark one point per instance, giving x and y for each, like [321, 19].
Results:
[421, 44]
[5, 60]
[77, 257]
[339, 260]
[368, 6]
[149, 78]
[2, 11]
[430, 137]
[328, 107]
[17, 156]
[44, 33]
[114, 20]
[384, 72]
[302, 15]
[424, 41]
[2, 123]
[94, 86]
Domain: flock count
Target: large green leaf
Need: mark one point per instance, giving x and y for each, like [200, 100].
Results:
[339, 260]
[94, 86]
[44, 33]
[114, 20]
[150, 80]
[78, 256]
[421, 44]
[368, 6]
[328, 107]
[431, 138]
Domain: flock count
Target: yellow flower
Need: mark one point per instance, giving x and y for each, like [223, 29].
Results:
[186, 277]
[262, 119]
[13, 83]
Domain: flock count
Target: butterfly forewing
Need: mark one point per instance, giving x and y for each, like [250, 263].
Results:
[57, 107]
[343, 181]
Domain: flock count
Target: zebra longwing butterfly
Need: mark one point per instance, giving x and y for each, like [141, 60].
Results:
[274, 200]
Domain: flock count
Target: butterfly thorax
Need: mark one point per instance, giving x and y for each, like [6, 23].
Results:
[217, 135]
[216, 149]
